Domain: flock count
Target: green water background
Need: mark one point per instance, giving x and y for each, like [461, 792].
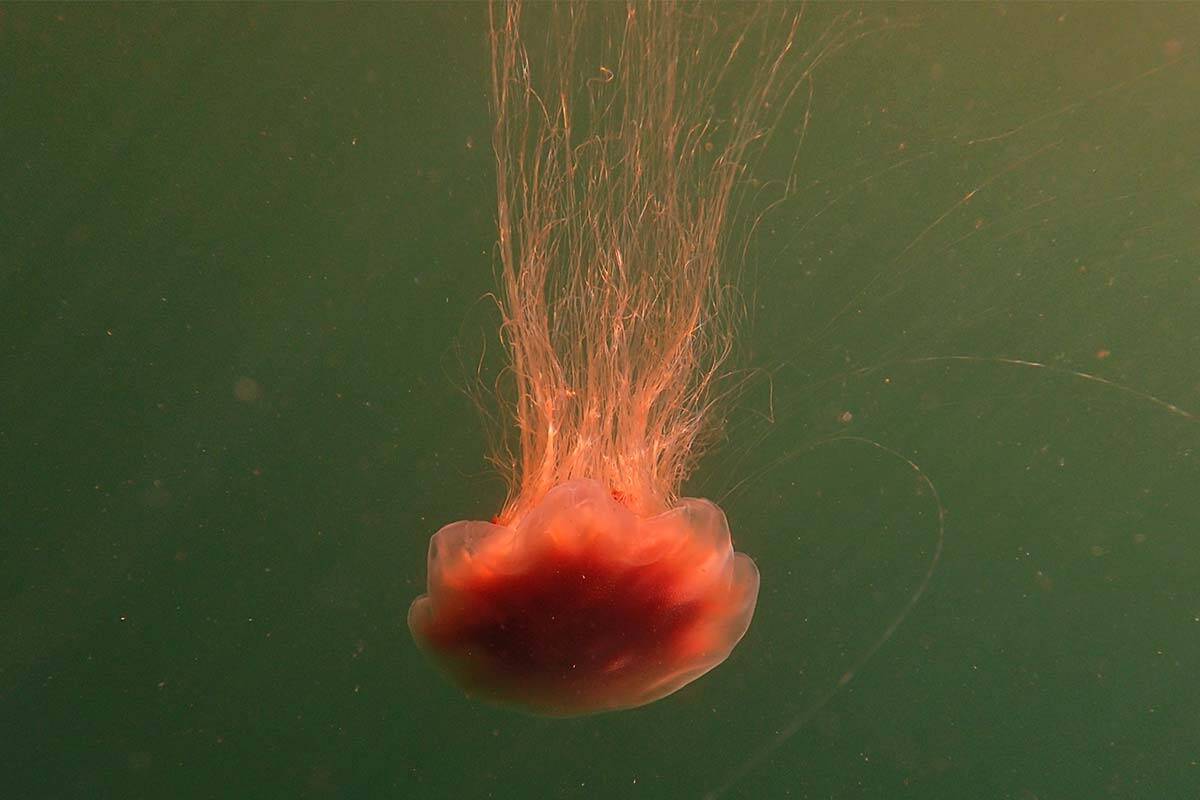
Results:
[242, 250]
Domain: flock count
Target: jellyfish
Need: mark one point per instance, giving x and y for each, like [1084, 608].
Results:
[597, 587]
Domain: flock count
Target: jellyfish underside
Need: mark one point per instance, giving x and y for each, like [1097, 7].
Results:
[584, 606]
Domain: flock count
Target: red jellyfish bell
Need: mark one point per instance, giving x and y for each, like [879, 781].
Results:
[584, 606]
[596, 588]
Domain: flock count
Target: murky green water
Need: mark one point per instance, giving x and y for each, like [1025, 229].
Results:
[243, 251]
